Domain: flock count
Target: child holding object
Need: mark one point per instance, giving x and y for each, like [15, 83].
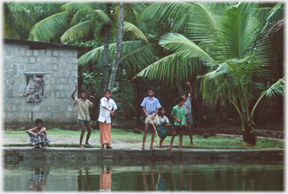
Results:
[83, 116]
[162, 127]
[178, 113]
[107, 108]
[38, 135]
[151, 107]
[188, 106]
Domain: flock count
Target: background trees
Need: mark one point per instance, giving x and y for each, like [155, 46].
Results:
[230, 52]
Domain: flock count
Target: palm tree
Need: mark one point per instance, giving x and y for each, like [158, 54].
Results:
[226, 41]
[118, 46]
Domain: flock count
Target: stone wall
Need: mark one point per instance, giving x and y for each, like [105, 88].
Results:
[60, 72]
[94, 154]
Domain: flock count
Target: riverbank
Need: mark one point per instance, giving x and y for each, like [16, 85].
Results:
[24, 153]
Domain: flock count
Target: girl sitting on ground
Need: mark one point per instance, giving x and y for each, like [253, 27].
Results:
[38, 135]
[162, 127]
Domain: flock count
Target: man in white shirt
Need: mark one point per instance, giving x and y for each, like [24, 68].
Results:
[107, 108]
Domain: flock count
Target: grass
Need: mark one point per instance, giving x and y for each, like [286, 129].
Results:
[130, 137]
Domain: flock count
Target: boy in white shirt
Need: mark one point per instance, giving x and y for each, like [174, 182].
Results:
[107, 108]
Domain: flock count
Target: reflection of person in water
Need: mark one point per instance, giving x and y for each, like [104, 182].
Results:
[152, 179]
[81, 182]
[161, 185]
[38, 180]
[105, 179]
[181, 179]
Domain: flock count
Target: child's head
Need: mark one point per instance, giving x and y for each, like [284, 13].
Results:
[162, 111]
[82, 93]
[184, 95]
[107, 93]
[180, 100]
[39, 123]
[151, 92]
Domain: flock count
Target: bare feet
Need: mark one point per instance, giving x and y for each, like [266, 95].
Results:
[169, 148]
[160, 146]
[191, 145]
[43, 148]
[81, 147]
[180, 148]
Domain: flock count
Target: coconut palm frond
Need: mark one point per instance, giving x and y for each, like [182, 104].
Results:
[154, 11]
[102, 15]
[49, 27]
[128, 27]
[166, 68]
[140, 57]
[240, 28]
[276, 89]
[78, 31]
[94, 54]
[177, 42]
[73, 7]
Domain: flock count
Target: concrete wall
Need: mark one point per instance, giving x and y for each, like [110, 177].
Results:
[60, 69]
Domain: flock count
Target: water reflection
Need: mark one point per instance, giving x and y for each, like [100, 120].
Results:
[84, 184]
[83, 176]
[105, 179]
[38, 180]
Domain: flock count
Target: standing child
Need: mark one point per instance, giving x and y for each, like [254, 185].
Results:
[83, 106]
[38, 135]
[151, 107]
[107, 108]
[178, 113]
[188, 106]
[162, 127]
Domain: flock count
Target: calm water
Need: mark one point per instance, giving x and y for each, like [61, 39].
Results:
[135, 176]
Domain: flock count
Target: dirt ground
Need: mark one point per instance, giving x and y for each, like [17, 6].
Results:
[54, 139]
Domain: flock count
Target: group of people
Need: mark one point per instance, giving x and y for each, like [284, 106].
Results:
[155, 115]
[155, 119]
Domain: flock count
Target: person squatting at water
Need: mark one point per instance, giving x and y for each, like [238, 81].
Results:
[38, 135]
[107, 109]
[83, 116]
[162, 127]
[151, 107]
[178, 113]
[188, 106]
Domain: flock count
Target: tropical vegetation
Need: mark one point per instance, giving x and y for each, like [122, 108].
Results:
[232, 53]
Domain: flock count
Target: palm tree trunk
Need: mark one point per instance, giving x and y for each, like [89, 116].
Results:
[118, 46]
[106, 53]
[178, 85]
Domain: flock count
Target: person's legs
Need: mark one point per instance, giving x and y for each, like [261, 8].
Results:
[190, 135]
[180, 138]
[145, 133]
[161, 140]
[89, 132]
[152, 138]
[172, 139]
[82, 134]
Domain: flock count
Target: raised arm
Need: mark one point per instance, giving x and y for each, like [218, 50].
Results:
[190, 87]
[72, 95]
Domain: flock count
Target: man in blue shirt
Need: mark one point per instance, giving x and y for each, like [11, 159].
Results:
[150, 106]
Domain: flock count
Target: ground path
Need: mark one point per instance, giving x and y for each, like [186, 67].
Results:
[55, 139]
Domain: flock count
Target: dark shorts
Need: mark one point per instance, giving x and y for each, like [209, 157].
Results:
[151, 128]
[178, 128]
[189, 119]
